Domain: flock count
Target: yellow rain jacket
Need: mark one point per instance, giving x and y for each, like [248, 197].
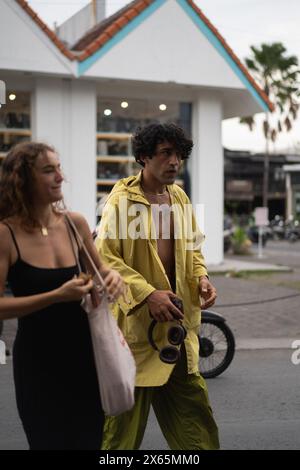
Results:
[136, 259]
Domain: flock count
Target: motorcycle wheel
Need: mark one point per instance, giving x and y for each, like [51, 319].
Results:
[217, 348]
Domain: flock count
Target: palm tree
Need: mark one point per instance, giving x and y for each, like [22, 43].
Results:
[277, 75]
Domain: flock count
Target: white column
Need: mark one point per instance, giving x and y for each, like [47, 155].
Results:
[289, 195]
[64, 115]
[207, 173]
[83, 149]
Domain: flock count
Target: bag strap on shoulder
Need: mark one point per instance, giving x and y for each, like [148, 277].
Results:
[81, 244]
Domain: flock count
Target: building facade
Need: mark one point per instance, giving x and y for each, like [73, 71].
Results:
[292, 180]
[243, 176]
[154, 60]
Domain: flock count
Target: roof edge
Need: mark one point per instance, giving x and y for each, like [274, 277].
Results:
[232, 54]
[129, 13]
[51, 35]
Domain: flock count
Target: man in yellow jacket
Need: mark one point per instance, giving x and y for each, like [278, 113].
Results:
[149, 234]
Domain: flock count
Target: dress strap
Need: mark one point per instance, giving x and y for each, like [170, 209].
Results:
[13, 237]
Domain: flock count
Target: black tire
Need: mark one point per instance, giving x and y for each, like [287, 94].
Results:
[217, 347]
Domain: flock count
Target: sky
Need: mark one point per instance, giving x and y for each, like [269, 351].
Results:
[242, 23]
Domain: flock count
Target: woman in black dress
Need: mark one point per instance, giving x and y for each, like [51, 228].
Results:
[55, 378]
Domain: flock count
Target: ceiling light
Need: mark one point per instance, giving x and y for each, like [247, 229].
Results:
[124, 104]
[107, 112]
[12, 97]
[162, 107]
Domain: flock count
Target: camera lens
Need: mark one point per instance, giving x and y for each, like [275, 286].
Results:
[177, 302]
[176, 335]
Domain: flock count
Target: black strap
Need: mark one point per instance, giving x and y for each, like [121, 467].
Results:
[14, 238]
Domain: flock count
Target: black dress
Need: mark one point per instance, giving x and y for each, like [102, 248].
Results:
[54, 371]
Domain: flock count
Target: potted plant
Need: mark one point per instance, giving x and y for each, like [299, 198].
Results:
[240, 242]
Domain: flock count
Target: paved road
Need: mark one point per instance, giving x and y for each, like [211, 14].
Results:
[275, 320]
[256, 404]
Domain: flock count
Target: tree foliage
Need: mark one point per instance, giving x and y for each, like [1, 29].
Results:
[277, 74]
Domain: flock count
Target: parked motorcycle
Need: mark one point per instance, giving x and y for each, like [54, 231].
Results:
[277, 226]
[292, 232]
[217, 345]
[253, 234]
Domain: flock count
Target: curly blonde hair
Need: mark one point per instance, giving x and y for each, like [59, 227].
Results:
[17, 182]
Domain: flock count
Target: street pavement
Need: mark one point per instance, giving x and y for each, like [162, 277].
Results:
[256, 404]
[271, 315]
[256, 401]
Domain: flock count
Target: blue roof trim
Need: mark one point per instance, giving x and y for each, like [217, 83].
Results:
[87, 63]
[222, 51]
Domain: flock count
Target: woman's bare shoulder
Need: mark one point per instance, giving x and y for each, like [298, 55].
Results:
[5, 236]
[80, 221]
[77, 218]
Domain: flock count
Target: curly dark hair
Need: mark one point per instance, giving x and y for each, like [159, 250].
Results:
[17, 182]
[146, 139]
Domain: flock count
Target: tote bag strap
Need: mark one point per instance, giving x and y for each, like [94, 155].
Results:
[82, 246]
[73, 241]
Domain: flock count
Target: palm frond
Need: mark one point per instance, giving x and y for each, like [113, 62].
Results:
[249, 121]
[266, 128]
[273, 135]
[288, 124]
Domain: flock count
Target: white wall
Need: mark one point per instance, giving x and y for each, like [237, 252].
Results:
[2, 92]
[24, 46]
[64, 115]
[149, 53]
[76, 26]
[207, 174]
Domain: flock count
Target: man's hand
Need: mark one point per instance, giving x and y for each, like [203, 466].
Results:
[207, 292]
[161, 308]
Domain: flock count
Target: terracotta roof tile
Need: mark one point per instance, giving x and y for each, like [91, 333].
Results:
[130, 14]
[52, 36]
[117, 21]
[84, 56]
[112, 30]
[101, 40]
[121, 22]
[139, 7]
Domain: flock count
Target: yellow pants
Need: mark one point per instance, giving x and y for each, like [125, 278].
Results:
[181, 407]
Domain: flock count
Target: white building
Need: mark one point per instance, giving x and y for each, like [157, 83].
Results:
[150, 53]
[292, 181]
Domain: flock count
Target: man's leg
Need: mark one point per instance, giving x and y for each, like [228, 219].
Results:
[126, 431]
[183, 411]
